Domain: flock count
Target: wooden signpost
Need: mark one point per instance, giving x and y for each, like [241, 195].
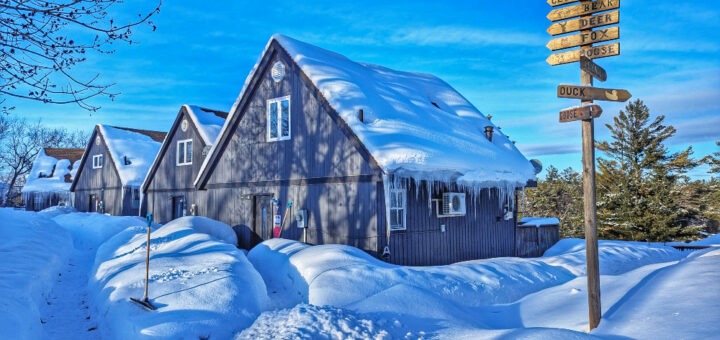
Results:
[597, 72]
[580, 112]
[584, 8]
[592, 93]
[575, 25]
[584, 38]
[591, 52]
[588, 111]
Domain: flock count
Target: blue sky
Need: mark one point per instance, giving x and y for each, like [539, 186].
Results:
[493, 52]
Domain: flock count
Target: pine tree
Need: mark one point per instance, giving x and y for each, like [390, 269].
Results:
[558, 195]
[637, 183]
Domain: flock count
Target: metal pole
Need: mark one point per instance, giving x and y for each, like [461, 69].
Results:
[590, 204]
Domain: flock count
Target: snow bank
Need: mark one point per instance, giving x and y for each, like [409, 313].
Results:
[218, 230]
[539, 221]
[428, 298]
[616, 257]
[712, 240]
[89, 230]
[33, 249]
[671, 303]
[202, 288]
[56, 211]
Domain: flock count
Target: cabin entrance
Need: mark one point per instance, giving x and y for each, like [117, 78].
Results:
[92, 203]
[178, 203]
[262, 219]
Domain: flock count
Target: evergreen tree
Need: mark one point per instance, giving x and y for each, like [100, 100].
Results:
[637, 195]
[558, 195]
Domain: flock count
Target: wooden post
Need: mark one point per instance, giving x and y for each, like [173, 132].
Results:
[590, 206]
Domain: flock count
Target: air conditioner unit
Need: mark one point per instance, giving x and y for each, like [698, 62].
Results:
[453, 203]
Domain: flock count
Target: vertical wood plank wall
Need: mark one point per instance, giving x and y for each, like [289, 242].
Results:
[171, 180]
[533, 241]
[481, 233]
[103, 182]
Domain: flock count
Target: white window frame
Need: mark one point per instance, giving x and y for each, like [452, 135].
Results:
[185, 143]
[98, 161]
[403, 207]
[279, 102]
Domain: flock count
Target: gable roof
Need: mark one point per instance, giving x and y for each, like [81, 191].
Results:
[138, 146]
[415, 125]
[208, 122]
[49, 170]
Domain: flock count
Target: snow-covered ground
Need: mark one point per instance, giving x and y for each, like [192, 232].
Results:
[70, 275]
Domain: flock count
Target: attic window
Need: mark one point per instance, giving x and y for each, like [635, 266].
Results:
[435, 104]
[97, 161]
[184, 152]
[278, 119]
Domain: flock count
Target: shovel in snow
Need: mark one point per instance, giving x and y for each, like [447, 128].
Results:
[145, 302]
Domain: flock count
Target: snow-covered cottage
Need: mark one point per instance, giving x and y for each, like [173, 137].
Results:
[398, 164]
[168, 188]
[112, 169]
[51, 175]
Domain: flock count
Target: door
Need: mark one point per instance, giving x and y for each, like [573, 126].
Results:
[262, 219]
[92, 203]
[178, 203]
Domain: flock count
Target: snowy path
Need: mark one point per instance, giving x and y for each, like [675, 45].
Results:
[66, 310]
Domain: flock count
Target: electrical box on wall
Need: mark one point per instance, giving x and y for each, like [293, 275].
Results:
[301, 218]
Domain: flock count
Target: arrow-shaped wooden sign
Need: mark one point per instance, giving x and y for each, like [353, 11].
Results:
[584, 38]
[600, 51]
[592, 93]
[560, 2]
[580, 112]
[582, 9]
[594, 69]
[574, 25]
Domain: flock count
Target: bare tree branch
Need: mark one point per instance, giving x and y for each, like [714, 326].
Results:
[40, 46]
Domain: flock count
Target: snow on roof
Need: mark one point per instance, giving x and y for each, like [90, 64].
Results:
[209, 122]
[539, 221]
[139, 146]
[415, 125]
[50, 168]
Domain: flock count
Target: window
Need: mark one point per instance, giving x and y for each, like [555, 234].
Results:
[97, 161]
[184, 152]
[278, 119]
[397, 209]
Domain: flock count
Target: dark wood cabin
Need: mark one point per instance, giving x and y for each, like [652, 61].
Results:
[48, 183]
[169, 190]
[112, 169]
[309, 136]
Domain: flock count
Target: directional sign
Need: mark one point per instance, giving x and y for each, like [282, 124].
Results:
[574, 25]
[582, 9]
[580, 112]
[594, 69]
[584, 38]
[560, 2]
[595, 52]
[592, 93]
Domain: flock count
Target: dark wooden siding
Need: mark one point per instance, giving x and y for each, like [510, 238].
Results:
[103, 182]
[170, 180]
[481, 233]
[533, 241]
[320, 169]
